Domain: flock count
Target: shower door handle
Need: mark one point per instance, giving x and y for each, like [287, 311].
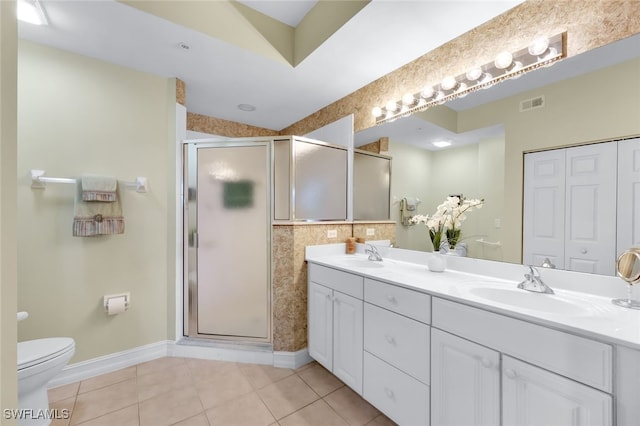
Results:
[193, 241]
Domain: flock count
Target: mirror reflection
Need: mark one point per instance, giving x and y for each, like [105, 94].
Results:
[592, 97]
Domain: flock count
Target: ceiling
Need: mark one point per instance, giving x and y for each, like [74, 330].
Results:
[222, 71]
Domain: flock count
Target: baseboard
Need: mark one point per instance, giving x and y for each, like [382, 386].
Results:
[291, 359]
[108, 363]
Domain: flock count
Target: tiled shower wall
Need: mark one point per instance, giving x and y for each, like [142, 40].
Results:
[290, 274]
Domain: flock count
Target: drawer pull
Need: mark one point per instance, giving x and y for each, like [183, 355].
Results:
[390, 339]
[486, 363]
[392, 299]
[510, 373]
[389, 393]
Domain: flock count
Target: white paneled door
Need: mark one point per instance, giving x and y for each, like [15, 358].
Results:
[570, 208]
[628, 194]
[590, 215]
[544, 199]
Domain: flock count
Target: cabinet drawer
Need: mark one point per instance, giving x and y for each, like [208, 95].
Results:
[400, 397]
[400, 341]
[578, 358]
[344, 282]
[407, 302]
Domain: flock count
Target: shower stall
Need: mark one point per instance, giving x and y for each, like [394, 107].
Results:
[227, 231]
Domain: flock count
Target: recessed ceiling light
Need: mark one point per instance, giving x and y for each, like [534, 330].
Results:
[441, 144]
[246, 107]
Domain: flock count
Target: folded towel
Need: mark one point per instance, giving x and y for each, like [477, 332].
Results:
[99, 188]
[92, 218]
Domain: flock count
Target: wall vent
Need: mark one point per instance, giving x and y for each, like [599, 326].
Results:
[533, 103]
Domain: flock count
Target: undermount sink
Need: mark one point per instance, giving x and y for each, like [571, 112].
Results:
[528, 300]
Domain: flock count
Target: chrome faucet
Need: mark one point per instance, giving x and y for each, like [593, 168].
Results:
[373, 253]
[533, 282]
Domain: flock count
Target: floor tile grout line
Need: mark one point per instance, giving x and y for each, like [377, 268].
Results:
[106, 414]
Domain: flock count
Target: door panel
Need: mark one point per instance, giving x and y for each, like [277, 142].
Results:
[628, 195]
[233, 240]
[321, 324]
[348, 340]
[591, 208]
[465, 382]
[544, 192]
[533, 396]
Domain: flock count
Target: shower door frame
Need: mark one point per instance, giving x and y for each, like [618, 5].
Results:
[190, 239]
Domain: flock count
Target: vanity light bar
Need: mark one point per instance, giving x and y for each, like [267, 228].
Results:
[542, 52]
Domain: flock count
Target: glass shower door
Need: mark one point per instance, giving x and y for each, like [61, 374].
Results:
[232, 292]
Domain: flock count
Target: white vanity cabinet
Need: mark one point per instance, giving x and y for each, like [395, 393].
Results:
[335, 321]
[397, 351]
[548, 377]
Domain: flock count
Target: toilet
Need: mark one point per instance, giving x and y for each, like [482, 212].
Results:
[39, 361]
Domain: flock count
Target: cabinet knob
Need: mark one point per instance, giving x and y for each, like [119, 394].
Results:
[389, 392]
[329, 297]
[510, 373]
[391, 299]
[486, 362]
[583, 251]
[390, 339]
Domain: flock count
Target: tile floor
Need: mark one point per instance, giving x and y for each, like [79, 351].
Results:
[195, 392]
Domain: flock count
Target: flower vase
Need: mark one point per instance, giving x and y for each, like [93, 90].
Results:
[437, 262]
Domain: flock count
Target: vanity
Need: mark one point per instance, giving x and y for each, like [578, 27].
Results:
[467, 347]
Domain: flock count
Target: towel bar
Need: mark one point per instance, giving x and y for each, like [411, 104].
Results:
[489, 243]
[39, 180]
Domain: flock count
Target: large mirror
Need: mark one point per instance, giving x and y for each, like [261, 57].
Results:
[587, 98]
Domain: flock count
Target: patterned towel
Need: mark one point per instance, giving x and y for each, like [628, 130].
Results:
[95, 218]
[99, 188]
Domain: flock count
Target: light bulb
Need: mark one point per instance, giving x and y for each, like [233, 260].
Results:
[474, 73]
[448, 83]
[408, 99]
[392, 106]
[461, 88]
[427, 92]
[376, 111]
[503, 60]
[538, 46]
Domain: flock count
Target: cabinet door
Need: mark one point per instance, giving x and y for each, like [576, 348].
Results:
[628, 194]
[320, 324]
[590, 209]
[347, 340]
[465, 382]
[544, 194]
[533, 396]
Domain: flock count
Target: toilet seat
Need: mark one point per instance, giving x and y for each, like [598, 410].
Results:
[34, 352]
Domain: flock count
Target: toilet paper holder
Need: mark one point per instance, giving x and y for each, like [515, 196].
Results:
[127, 300]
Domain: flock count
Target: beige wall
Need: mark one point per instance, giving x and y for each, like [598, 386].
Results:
[78, 115]
[410, 175]
[8, 251]
[602, 105]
